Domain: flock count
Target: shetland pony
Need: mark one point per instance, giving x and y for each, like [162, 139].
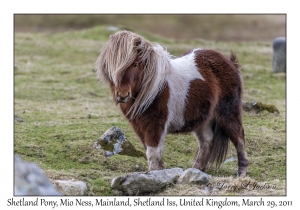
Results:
[198, 92]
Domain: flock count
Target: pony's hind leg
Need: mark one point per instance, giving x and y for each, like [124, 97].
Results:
[205, 137]
[235, 132]
[239, 143]
[229, 118]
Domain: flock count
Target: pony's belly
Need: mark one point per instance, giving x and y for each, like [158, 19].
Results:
[173, 129]
[187, 127]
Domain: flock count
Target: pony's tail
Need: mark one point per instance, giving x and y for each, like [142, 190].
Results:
[219, 146]
[237, 65]
[234, 60]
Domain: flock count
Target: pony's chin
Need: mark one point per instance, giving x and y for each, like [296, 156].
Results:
[122, 100]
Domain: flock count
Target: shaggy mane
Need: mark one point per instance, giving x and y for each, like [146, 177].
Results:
[121, 50]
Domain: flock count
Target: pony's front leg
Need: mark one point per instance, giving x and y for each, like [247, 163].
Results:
[154, 154]
[154, 157]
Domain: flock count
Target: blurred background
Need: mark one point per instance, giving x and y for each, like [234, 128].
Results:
[182, 27]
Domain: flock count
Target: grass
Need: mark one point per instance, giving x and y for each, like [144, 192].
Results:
[65, 110]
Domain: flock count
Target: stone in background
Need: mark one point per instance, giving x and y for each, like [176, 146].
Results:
[279, 55]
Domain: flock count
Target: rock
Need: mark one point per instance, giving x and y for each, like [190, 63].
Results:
[114, 141]
[70, 187]
[116, 182]
[31, 180]
[140, 183]
[259, 107]
[194, 176]
[18, 118]
[279, 55]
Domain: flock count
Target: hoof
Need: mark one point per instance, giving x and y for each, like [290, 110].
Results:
[156, 168]
[242, 174]
[156, 165]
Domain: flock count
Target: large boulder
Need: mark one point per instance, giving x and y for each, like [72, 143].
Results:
[279, 55]
[142, 183]
[31, 180]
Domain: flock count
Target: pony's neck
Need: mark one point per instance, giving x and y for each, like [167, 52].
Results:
[125, 107]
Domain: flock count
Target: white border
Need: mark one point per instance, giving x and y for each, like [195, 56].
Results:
[154, 6]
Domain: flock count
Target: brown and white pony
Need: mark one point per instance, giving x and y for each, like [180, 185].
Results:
[198, 92]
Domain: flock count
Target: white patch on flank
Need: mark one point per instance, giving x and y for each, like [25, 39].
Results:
[183, 71]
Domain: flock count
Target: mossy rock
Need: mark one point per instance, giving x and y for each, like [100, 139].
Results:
[259, 107]
[130, 150]
[114, 141]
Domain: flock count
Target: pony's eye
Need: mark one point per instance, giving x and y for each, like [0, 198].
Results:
[135, 65]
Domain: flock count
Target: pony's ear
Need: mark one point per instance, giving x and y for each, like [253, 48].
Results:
[137, 43]
[138, 47]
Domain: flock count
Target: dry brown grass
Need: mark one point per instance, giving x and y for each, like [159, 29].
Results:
[229, 186]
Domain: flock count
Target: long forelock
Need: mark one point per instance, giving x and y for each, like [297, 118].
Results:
[116, 56]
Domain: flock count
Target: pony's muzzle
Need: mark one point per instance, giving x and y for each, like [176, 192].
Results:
[122, 99]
